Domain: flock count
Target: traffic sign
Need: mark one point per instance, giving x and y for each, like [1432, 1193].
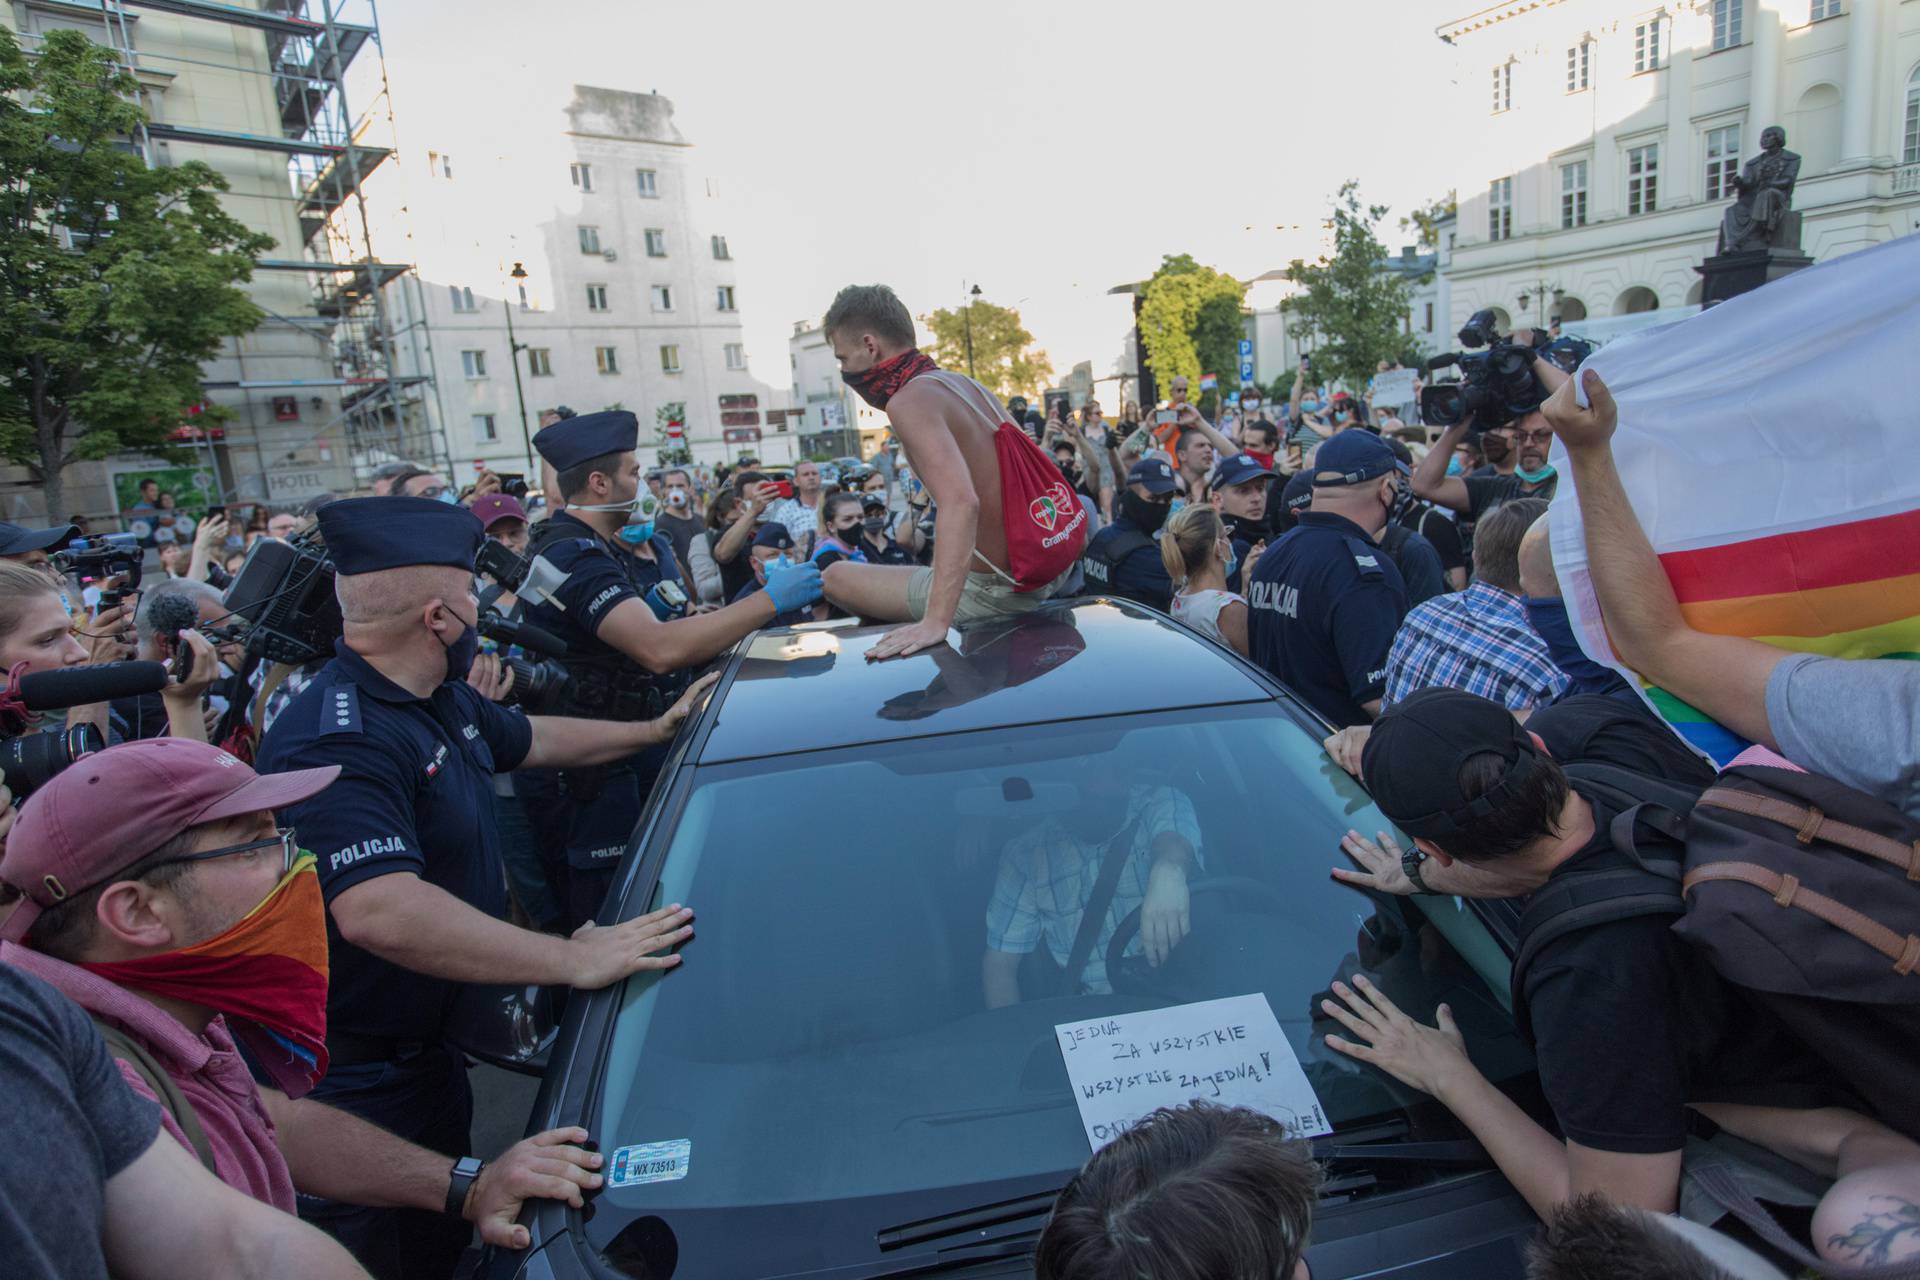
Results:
[1246, 350]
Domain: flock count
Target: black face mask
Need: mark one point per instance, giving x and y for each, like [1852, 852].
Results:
[1149, 516]
[1071, 473]
[847, 534]
[875, 527]
[1244, 529]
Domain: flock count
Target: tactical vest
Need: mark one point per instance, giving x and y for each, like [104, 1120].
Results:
[1103, 557]
[608, 685]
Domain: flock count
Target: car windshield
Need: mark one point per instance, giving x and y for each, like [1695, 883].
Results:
[883, 936]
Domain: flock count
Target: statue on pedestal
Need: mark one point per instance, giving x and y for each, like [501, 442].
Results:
[1765, 195]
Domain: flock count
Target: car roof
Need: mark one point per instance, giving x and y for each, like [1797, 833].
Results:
[811, 687]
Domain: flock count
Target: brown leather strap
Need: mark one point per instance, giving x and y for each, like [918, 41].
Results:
[1810, 824]
[1787, 891]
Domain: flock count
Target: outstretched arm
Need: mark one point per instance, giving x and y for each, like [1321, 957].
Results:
[1430, 479]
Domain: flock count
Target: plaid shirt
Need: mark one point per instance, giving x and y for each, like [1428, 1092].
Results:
[1478, 640]
[1047, 877]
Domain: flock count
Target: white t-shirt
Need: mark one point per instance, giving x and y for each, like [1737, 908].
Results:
[1200, 610]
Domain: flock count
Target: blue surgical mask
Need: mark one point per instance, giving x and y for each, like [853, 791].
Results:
[635, 534]
[1534, 477]
[1453, 466]
[1174, 508]
[449, 497]
[640, 520]
[1233, 562]
[1309, 406]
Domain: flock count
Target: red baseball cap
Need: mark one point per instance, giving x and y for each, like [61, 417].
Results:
[105, 812]
[491, 508]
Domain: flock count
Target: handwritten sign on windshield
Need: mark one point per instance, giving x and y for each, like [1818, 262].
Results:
[1231, 1052]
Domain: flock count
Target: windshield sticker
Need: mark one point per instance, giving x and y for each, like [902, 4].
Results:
[1230, 1051]
[649, 1162]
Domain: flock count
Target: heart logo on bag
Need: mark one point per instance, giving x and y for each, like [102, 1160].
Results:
[1048, 509]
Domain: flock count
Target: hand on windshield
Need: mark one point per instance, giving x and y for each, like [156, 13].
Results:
[546, 1166]
[603, 956]
[1379, 860]
[904, 641]
[1429, 1059]
[1346, 745]
[1163, 913]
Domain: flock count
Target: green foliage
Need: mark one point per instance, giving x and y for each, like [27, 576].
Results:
[1190, 322]
[1426, 221]
[1355, 311]
[1005, 361]
[120, 280]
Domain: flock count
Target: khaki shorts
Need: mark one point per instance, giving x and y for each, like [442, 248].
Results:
[986, 595]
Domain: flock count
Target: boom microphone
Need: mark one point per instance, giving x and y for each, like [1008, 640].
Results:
[1443, 361]
[78, 686]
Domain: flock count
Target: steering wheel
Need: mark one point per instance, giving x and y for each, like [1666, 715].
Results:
[1136, 972]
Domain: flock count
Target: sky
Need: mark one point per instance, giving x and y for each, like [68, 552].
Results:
[1045, 150]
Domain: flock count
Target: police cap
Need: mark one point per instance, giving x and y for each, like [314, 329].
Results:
[572, 441]
[366, 535]
[1351, 458]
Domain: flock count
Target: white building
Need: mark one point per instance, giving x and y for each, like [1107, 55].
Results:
[1603, 136]
[629, 293]
[833, 420]
[1278, 344]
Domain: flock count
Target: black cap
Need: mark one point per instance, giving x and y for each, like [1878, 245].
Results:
[1298, 495]
[366, 535]
[1412, 760]
[572, 441]
[1353, 457]
[774, 534]
[1154, 474]
[1237, 468]
[17, 540]
[868, 501]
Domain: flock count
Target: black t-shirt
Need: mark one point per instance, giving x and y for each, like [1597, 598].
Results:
[1630, 1022]
[77, 1124]
[1439, 529]
[736, 573]
[681, 534]
[1599, 728]
[1483, 495]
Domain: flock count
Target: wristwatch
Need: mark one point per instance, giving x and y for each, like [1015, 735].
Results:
[1410, 867]
[466, 1172]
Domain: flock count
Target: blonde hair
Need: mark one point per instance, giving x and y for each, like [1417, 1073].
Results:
[20, 586]
[1188, 539]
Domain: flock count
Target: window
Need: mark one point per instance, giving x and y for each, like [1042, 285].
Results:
[649, 183]
[462, 297]
[540, 362]
[670, 358]
[1723, 161]
[596, 297]
[484, 429]
[439, 165]
[736, 356]
[656, 243]
[1819, 9]
[1502, 87]
[720, 248]
[1573, 194]
[723, 298]
[590, 240]
[1500, 209]
[473, 363]
[1726, 23]
[1910, 154]
[1643, 178]
[662, 297]
[1428, 326]
[1580, 66]
[582, 176]
[1649, 39]
[606, 359]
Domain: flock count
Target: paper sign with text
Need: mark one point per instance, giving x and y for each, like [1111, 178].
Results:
[1393, 388]
[1231, 1052]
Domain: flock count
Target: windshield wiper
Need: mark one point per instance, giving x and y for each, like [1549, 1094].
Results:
[944, 1225]
[932, 1263]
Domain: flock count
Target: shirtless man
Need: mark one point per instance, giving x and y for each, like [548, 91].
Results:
[946, 424]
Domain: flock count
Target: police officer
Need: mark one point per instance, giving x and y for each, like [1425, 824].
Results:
[631, 647]
[1123, 559]
[408, 856]
[771, 546]
[1325, 601]
[1239, 489]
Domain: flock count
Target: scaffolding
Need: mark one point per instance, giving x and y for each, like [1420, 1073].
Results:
[380, 363]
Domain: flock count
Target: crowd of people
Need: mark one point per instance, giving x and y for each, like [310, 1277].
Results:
[246, 921]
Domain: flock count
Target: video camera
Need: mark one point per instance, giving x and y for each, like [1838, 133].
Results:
[28, 760]
[541, 687]
[1496, 385]
[284, 591]
[95, 558]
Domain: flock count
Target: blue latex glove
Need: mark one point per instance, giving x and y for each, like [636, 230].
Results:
[792, 586]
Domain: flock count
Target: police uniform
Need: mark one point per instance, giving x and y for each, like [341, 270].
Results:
[584, 818]
[1123, 559]
[1242, 534]
[414, 796]
[1325, 601]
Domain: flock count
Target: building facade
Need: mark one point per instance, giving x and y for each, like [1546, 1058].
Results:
[589, 239]
[1605, 136]
[832, 421]
[1278, 344]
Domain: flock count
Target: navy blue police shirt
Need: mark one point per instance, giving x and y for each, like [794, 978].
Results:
[1141, 575]
[599, 576]
[1322, 609]
[415, 794]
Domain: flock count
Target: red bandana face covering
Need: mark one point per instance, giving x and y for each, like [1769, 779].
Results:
[877, 385]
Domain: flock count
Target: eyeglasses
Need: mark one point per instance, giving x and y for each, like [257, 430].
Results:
[1534, 437]
[283, 836]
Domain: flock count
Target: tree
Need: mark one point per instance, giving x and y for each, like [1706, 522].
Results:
[1354, 309]
[120, 280]
[671, 452]
[1426, 221]
[1005, 361]
[1190, 321]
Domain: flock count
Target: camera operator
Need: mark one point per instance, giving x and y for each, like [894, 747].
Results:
[32, 547]
[629, 649]
[1532, 476]
[408, 856]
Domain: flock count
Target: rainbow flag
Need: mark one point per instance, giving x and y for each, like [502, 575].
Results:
[1771, 448]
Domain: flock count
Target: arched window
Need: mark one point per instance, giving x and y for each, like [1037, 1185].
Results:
[1635, 300]
[1911, 152]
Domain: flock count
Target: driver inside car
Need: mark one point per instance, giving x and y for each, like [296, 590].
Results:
[1050, 874]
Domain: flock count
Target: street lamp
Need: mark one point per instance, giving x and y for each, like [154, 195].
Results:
[974, 293]
[514, 349]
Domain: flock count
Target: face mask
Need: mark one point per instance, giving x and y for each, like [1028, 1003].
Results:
[1309, 406]
[268, 974]
[1148, 516]
[1232, 562]
[1534, 477]
[877, 385]
[676, 497]
[1454, 468]
[1548, 616]
[461, 653]
[640, 520]
[1264, 459]
[876, 526]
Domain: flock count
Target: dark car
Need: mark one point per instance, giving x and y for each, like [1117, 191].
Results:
[825, 1085]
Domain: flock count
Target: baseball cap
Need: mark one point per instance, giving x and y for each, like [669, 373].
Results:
[16, 540]
[105, 812]
[1298, 495]
[873, 501]
[1236, 469]
[774, 534]
[1352, 457]
[1412, 760]
[491, 508]
[1154, 474]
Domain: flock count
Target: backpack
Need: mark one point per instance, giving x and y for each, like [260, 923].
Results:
[1796, 888]
[1045, 524]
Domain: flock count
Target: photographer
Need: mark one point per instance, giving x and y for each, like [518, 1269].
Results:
[32, 547]
[1530, 436]
[731, 519]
